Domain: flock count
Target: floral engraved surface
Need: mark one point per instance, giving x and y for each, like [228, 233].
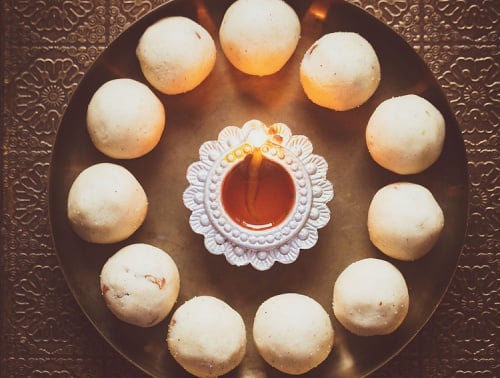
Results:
[42, 21]
[39, 309]
[402, 15]
[48, 45]
[469, 20]
[43, 92]
[31, 201]
[475, 100]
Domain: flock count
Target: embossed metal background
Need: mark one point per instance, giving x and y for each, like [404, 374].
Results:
[46, 48]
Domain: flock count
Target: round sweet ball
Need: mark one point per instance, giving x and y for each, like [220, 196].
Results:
[293, 333]
[140, 284]
[176, 54]
[125, 119]
[404, 220]
[405, 134]
[106, 204]
[207, 337]
[259, 36]
[340, 71]
[370, 297]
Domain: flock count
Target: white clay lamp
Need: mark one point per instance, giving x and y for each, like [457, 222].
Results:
[258, 194]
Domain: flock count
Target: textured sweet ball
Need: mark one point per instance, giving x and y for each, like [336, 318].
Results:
[207, 337]
[404, 221]
[140, 284]
[370, 297]
[106, 204]
[340, 71]
[125, 119]
[259, 36]
[293, 333]
[176, 54]
[405, 134]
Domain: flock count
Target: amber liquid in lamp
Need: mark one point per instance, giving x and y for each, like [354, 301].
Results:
[261, 199]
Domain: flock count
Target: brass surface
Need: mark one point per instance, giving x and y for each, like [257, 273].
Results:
[47, 72]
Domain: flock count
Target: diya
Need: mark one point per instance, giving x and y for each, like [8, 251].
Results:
[258, 194]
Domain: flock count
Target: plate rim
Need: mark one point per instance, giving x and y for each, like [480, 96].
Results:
[152, 14]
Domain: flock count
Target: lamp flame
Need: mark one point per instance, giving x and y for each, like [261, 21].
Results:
[257, 136]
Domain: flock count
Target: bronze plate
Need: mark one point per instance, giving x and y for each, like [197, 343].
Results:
[228, 97]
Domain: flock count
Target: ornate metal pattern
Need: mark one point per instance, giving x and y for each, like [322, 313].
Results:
[48, 45]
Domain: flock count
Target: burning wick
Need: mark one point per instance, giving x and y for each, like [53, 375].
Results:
[256, 138]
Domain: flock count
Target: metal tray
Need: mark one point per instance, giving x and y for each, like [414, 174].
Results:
[229, 97]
